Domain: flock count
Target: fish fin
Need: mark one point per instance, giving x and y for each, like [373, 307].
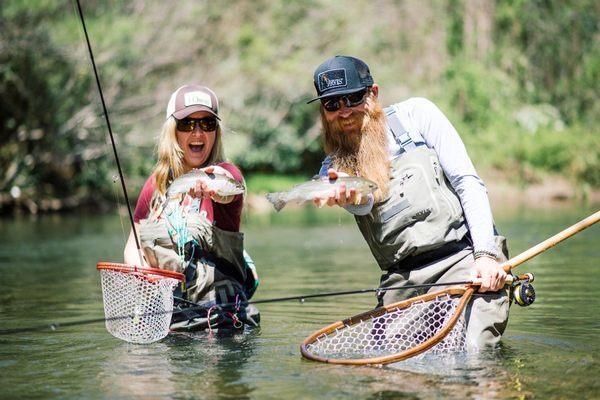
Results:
[276, 200]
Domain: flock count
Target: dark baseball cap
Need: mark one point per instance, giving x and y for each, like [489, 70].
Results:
[341, 75]
[191, 98]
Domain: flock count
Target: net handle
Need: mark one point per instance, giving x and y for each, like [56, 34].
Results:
[551, 242]
[134, 269]
[465, 292]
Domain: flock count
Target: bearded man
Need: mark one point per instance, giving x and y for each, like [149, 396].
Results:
[429, 220]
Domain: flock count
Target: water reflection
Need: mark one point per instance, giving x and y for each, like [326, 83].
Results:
[467, 375]
[488, 375]
[215, 365]
[140, 371]
[197, 364]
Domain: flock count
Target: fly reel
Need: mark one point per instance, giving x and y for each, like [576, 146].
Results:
[523, 291]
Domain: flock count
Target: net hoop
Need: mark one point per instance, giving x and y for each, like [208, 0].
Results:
[465, 292]
[134, 269]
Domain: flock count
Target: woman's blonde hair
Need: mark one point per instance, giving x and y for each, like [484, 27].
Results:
[170, 155]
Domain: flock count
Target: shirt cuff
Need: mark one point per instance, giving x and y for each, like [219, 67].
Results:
[488, 247]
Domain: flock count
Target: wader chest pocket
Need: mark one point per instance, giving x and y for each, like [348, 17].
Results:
[420, 213]
[394, 210]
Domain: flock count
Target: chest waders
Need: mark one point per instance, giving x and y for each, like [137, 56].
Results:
[421, 214]
[418, 235]
[216, 267]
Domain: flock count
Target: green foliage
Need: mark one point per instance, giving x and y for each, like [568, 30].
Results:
[455, 39]
[53, 145]
[524, 95]
[585, 161]
[560, 152]
[530, 106]
[560, 43]
[478, 93]
[268, 183]
[33, 69]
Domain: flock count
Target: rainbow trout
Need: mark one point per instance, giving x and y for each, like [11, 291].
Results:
[221, 184]
[321, 187]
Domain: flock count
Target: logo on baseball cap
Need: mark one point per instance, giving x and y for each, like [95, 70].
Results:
[341, 75]
[189, 99]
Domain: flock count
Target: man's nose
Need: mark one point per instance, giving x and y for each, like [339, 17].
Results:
[344, 111]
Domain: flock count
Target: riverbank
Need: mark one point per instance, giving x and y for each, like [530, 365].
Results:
[551, 192]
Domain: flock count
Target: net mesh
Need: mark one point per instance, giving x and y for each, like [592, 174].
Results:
[137, 307]
[395, 332]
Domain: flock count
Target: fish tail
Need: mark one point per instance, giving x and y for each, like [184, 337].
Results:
[277, 200]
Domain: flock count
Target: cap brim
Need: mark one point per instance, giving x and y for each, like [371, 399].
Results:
[192, 109]
[337, 93]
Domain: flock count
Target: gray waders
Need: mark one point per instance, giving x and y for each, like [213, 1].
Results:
[418, 235]
[486, 314]
[217, 269]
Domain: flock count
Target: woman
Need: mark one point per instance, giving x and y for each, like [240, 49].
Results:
[196, 233]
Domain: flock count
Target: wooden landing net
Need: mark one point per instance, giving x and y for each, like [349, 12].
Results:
[432, 322]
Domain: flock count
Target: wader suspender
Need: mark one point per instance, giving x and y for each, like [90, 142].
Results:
[401, 136]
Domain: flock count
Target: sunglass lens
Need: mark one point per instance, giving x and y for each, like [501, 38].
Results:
[208, 124]
[186, 125]
[355, 99]
[332, 104]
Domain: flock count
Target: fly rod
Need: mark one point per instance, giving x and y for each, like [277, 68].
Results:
[110, 132]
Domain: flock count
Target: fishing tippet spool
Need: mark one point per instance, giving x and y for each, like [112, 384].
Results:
[523, 292]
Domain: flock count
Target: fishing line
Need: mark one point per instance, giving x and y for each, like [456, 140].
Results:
[112, 139]
[197, 307]
[120, 207]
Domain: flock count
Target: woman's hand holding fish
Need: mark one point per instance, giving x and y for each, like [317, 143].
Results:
[339, 196]
[203, 191]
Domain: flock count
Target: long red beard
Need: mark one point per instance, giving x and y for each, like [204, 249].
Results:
[363, 153]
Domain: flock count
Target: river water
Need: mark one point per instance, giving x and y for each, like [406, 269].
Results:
[47, 264]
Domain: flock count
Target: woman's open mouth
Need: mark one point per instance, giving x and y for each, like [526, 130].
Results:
[196, 147]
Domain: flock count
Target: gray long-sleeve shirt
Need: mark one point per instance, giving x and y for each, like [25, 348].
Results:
[426, 124]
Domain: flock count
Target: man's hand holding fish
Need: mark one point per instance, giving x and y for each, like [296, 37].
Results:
[340, 195]
[335, 188]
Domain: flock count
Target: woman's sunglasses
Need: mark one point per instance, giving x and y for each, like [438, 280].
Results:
[207, 124]
[351, 100]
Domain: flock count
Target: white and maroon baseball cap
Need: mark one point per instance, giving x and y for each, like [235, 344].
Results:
[191, 98]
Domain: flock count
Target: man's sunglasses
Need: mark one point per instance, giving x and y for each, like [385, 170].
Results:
[351, 100]
[207, 124]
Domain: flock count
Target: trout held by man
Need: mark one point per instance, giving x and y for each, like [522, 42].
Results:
[221, 184]
[321, 187]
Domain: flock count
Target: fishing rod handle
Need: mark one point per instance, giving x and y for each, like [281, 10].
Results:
[551, 242]
[510, 279]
